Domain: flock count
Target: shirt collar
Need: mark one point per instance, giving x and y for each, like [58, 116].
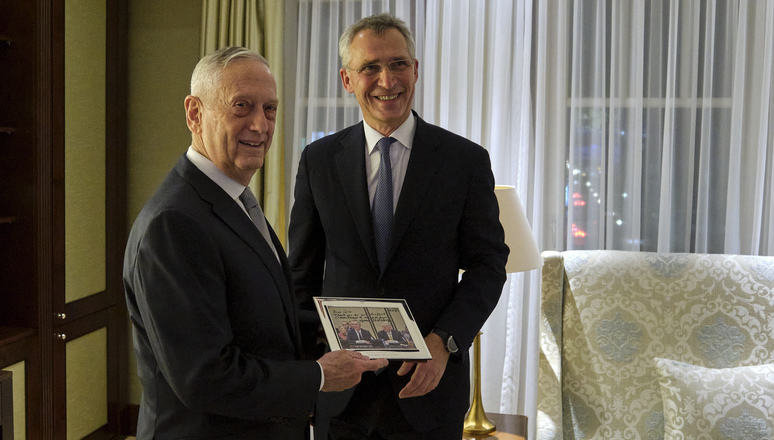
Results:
[403, 134]
[232, 187]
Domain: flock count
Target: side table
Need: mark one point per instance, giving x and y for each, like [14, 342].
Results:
[509, 427]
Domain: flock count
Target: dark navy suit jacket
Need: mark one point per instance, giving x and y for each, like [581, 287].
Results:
[446, 219]
[365, 335]
[214, 321]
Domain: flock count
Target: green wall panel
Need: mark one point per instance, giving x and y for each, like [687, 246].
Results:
[85, 30]
[19, 400]
[86, 366]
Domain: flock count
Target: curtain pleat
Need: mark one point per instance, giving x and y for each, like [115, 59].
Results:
[256, 25]
[670, 130]
[274, 184]
[477, 73]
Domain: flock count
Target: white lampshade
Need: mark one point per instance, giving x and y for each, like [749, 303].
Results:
[518, 234]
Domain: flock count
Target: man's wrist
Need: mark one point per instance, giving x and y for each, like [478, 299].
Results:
[448, 340]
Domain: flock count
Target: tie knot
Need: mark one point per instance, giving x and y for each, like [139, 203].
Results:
[248, 199]
[384, 144]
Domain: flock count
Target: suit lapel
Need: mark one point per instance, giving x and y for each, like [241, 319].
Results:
[225, 208]
[423, 165]
[350, 164]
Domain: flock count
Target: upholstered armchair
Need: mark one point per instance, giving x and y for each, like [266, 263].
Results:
[638, 345]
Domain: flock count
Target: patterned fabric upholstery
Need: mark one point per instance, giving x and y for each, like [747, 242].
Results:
[724, 403]
[606, 316]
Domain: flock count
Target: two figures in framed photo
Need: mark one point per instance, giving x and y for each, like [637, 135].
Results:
[379, 328]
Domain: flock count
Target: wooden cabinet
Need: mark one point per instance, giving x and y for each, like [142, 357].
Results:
[6, 405]
[70, 348]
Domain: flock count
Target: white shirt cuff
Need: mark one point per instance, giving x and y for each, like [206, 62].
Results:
[322, 376]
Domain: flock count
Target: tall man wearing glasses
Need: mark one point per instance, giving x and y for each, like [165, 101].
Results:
[401, 225]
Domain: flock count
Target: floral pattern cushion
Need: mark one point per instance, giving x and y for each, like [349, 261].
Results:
[606, 315]
[707, 403]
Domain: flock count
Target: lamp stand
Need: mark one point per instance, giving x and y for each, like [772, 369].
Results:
[476, 422]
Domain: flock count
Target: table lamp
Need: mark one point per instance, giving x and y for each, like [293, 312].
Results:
[523, 256]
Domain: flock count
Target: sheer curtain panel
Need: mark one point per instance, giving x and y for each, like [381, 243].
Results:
[474, 65]
[662, 112]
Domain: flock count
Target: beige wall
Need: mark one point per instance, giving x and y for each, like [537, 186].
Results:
[163, 50]
[85, 42]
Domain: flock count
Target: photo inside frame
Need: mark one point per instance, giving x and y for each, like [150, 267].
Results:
[378, 328]
[381, 328]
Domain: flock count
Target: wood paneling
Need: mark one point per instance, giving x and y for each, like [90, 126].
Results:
[34, 315]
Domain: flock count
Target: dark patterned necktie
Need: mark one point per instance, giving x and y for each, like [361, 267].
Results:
[383, 202]
[256, 215]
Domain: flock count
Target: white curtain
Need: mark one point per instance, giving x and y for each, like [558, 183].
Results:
[660, 112]
[474, 72]
[638, 125]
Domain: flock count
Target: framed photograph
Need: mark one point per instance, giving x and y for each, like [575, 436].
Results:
[376, 327]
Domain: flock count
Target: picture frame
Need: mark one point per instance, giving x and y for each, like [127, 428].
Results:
[387, 327]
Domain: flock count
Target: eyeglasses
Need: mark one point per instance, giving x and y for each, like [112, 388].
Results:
[396, 67]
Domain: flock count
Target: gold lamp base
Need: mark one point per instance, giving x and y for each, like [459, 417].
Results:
[476, 422]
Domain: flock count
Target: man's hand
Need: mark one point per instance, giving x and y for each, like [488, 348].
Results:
[343, 368]
[427, 374]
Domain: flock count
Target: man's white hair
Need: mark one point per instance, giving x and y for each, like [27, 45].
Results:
[208, 71]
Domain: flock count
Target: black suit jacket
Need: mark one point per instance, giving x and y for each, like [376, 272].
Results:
[214, 322]
[447, 219]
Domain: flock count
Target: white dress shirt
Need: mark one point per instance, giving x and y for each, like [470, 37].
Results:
[399, 157]
[232, 187]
